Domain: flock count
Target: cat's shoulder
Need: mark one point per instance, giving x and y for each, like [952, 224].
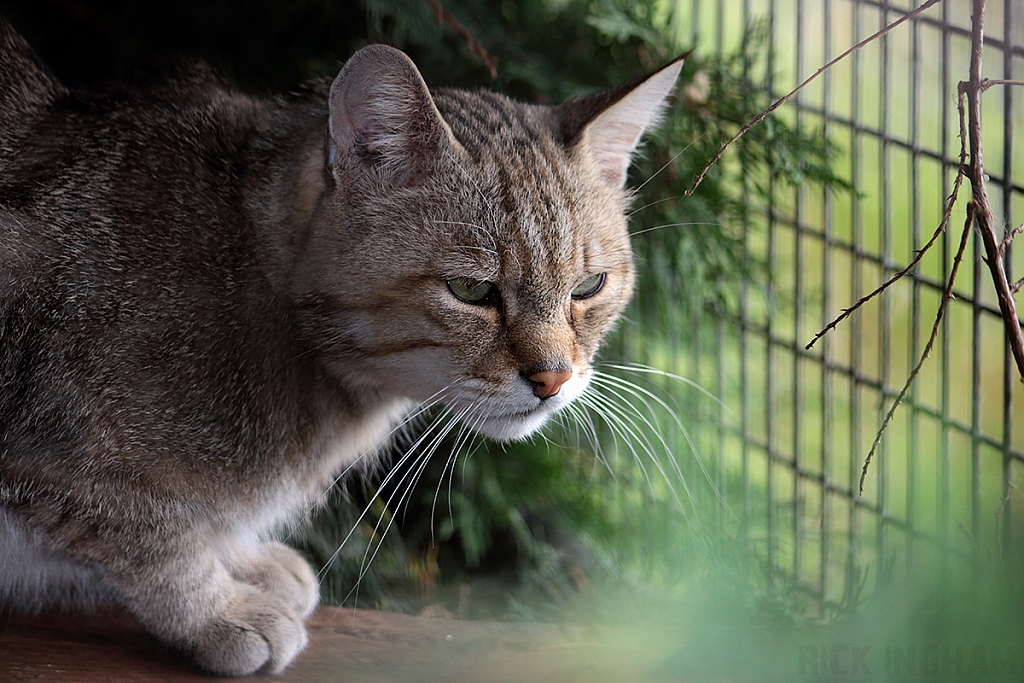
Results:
[193, 108]
[26, 86]
[186, 109]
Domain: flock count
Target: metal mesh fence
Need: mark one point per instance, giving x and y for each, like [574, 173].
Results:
[798, 423]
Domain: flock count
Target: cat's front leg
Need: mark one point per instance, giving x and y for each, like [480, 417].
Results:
[189, 599]
[278, 570]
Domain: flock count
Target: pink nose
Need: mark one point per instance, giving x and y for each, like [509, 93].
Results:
[546, 384]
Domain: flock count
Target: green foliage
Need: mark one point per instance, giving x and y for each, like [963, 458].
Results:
[924, 628]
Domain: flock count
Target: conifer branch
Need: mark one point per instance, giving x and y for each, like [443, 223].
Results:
[444, 17]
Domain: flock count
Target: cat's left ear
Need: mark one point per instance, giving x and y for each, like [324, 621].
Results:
[608, 125]
[382, 116]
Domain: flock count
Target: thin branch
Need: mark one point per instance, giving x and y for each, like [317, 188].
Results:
[999, 513]
[984, 217]
[443, 17]
[919, 253]
[979, 212]
[947, 294]
[987, 83]
[1009, 238]
[781, 101]
[1017, 285]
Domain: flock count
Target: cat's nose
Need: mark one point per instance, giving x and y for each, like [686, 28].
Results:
[547, 383]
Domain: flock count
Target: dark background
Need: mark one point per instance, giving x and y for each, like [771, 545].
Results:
[543, 50]
[259, 45]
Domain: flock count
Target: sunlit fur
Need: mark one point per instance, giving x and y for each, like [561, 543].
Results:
[212, 306]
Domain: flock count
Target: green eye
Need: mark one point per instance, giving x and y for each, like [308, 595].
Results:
[472, 291]
[589, 287]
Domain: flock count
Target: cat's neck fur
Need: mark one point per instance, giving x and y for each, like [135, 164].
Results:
[283, 190]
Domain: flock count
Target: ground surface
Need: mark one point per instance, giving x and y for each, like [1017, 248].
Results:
[354, 646]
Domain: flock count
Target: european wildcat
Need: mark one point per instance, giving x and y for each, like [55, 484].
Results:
[211, 304]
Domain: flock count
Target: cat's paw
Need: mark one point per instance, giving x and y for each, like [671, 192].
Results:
[280, 571]
[257, 632]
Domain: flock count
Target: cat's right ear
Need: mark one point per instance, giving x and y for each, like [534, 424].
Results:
[382, 116]
[607, 126]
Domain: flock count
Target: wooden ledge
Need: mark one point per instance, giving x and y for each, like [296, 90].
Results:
[354, 646]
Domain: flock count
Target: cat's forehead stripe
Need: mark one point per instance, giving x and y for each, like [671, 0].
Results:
[480, 120]
[525, 167]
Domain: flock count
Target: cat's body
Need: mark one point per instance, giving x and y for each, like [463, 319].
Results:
[210, 305]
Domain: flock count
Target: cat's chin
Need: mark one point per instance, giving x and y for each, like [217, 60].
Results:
[518, 425]
[512, 427]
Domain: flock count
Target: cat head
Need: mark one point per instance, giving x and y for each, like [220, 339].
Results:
[471, 250]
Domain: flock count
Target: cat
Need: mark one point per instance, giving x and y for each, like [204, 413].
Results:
[211, 304]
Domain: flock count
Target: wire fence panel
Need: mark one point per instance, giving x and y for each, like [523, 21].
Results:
[942, 485]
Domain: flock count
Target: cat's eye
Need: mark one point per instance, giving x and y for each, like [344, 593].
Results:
[589, 287]
[472, 291]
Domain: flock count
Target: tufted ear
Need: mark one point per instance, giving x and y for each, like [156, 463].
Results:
[382, 116]
[608, 125]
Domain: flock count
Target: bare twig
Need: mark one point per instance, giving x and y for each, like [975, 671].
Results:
[785, 98]
[919, 253]
[1017, 285]
[984, 217]
[980, 213]
[947, 294]
[443, 17]
[1009, 238]
[987, 83]
[999, 513]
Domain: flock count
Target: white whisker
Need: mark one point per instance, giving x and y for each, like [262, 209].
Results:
[620, 428]
[648, 447]
[668, 163]
[650, 204]
[669, 225]
[410, 478]
[581, 418]
[654, 428]
[391, 474]
[416, 413]
[642, 394]
[640, 368]
[466, 433]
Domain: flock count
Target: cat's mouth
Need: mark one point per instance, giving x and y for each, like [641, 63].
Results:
[519, 423]
[512, 416]
[512, 426]
[519, 414]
